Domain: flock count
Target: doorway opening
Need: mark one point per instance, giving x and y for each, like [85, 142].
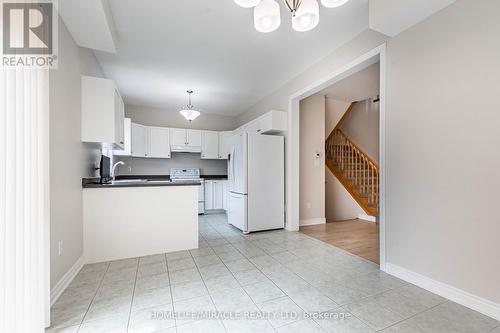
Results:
[338, 127]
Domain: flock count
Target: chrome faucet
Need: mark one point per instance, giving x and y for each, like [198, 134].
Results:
[114, 168]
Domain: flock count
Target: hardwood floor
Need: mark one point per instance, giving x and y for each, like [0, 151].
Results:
[355, 236]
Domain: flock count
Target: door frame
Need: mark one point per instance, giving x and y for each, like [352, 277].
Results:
[377, 54]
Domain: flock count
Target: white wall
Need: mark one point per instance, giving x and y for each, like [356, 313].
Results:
[312, 169]
[339, 203]
[443, 156]
[70, 159]
[361, 125]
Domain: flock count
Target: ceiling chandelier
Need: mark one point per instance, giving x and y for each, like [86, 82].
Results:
[189, 112]
[305, 13]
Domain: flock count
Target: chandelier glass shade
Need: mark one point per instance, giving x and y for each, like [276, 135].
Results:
[247, 3]
[333, 3]
[267, 16]
[307, 16]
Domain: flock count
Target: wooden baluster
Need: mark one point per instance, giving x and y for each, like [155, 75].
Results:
[373, 185]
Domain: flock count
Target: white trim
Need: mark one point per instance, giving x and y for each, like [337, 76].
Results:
[367, 218]
[314, 221]
[459, 296]
[66, 279]
[378, 54]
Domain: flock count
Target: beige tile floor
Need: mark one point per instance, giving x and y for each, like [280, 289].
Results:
[283, 273]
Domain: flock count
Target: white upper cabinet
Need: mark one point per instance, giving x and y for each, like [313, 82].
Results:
[127, 124]
[178, 137]
[224, 145]
[139, 145]
[209, 145]
[272, 122]
[151, 142]
[193, 138]
[159, 142]
[102, 113]
[185, 140]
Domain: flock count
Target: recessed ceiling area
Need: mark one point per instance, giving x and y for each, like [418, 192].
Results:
[211, 47]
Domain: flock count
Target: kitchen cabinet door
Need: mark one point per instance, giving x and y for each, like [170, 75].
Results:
[224, 145]
[225, 201]
[127, 135]
[102, 113]
[209, 145]
[139, 145]
[218, 194]
[209, 194]
[159, 142]
[119, 120]
[178, 137]
[193, 138]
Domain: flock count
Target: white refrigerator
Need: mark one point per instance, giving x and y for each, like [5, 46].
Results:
[256, 171]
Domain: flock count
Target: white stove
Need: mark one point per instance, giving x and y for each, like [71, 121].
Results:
[179, 175]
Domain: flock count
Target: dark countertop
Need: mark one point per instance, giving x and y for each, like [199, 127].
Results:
[165, 177]
[214, 177]
[135, 182]
[146, 180]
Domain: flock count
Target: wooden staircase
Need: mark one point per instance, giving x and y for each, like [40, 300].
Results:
[357, 172]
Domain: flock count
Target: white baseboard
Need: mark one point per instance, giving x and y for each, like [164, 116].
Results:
[456, 295]
[366, 217]
[66, 279]
[318, 220]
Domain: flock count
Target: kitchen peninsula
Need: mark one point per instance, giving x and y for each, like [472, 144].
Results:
[135, 217]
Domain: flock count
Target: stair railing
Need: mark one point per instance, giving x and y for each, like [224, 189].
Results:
[359, 168]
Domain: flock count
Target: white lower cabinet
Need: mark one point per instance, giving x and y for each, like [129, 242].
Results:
[215, 194]
[225, 199]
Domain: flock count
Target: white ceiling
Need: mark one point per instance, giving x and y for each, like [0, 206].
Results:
[210, 46]
[357, 87]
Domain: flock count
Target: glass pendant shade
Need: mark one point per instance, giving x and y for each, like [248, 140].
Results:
[307, 17]
[333, 3]
[267, 17]
[189, 114]
[247, 3]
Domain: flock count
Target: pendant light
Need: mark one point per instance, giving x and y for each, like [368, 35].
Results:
[333, 3]
[266, 16]
[189, 112]
[247, 3]
[307, 16]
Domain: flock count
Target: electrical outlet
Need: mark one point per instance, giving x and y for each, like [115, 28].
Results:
[308, 205]
[60, 247]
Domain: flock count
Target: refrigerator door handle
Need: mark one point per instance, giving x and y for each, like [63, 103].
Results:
[231, 170]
